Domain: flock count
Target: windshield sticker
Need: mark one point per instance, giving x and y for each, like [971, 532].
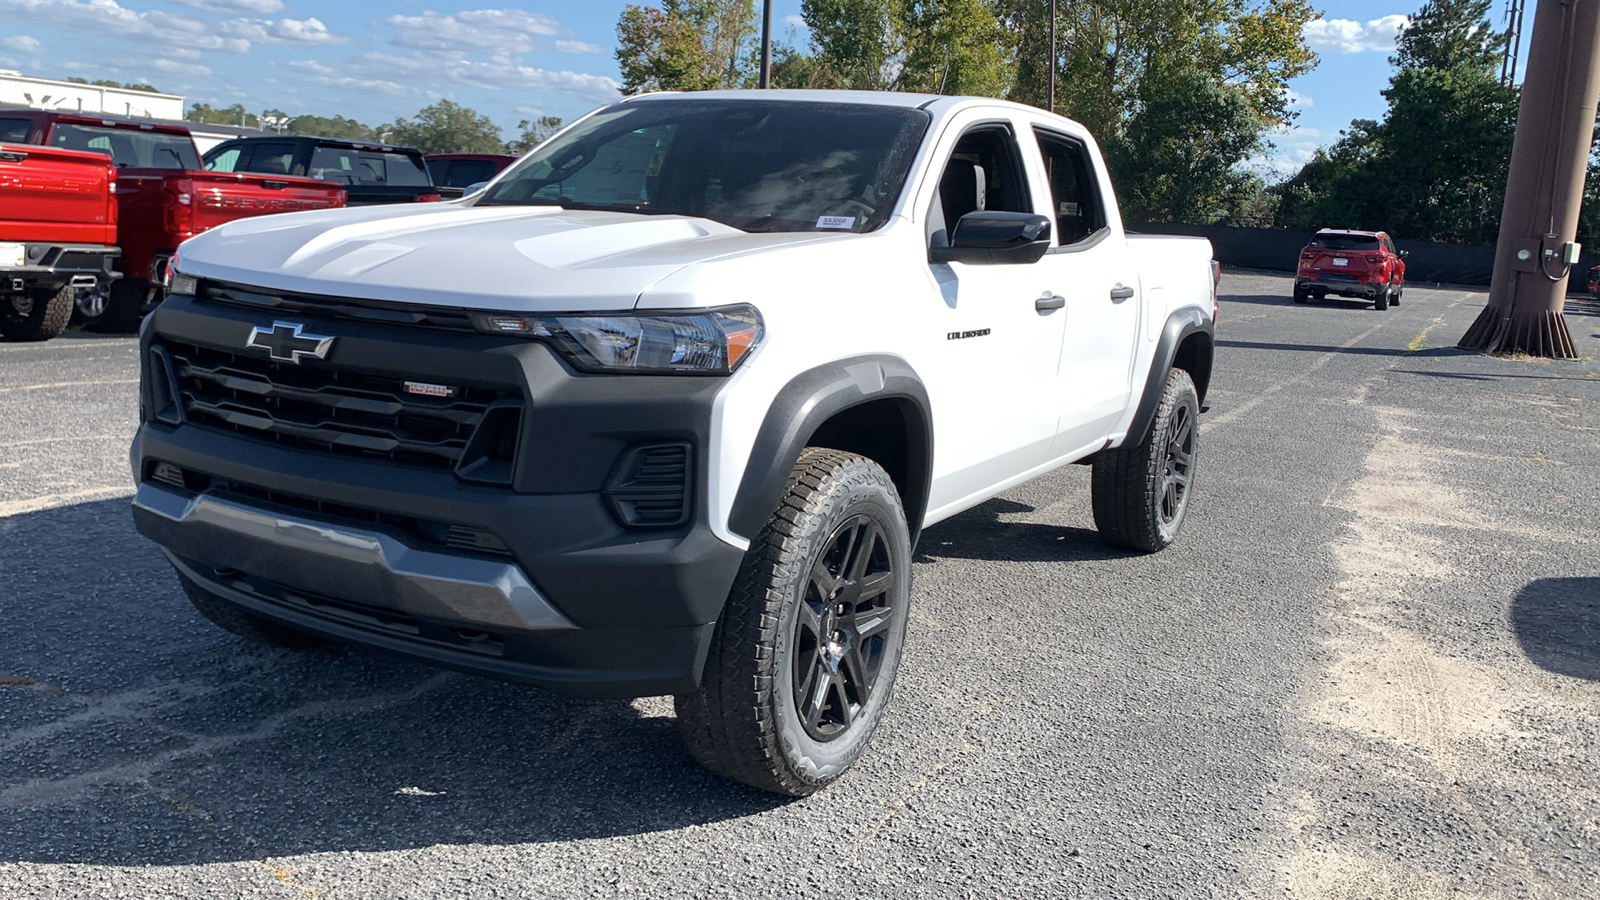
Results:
[844, 222]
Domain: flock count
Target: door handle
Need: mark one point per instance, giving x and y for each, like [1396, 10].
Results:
[1049, 302]
[1121, 293]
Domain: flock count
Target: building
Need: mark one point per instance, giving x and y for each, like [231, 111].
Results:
[69, 96]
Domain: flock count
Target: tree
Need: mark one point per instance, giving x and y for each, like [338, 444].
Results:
[1435, 168]
[106, 82]
[533, 134]
[686, 45]
[231, 115]
[1127, 67]
[330, 127]
[446, 127]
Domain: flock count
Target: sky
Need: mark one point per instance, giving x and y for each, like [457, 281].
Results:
[377, 60]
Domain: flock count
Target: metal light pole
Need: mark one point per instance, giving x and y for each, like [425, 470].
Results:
[1050, 92]
[766, 44]
[1539, 218]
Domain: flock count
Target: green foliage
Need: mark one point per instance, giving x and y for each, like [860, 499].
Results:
[446, 127]
[1435, 168]
[106, 82]
[686, 45]
[227, 115]
[1127, 70]
[533, 134]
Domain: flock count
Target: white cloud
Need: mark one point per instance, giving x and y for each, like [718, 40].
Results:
[1348, 36]
[579, 47]
[235, 6]
[472, 30]
[21, 43]
[111, 18]
[1296, 100]
[283, 31]
[1291, 147]
[425, 73]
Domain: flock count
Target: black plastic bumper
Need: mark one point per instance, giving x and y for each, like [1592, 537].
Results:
[55, 265]
[641, 602]
[1342, 285]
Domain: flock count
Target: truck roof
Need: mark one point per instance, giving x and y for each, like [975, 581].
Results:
[78, 118]
[942, 104]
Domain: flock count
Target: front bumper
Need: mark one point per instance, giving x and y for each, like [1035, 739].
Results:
[565, 596]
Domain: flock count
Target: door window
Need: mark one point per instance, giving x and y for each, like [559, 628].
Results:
[984, 174]
[274, 158]
[1074, 193]
[15, 131]
[226, 161]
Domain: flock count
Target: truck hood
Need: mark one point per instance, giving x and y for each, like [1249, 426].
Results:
[510, 258]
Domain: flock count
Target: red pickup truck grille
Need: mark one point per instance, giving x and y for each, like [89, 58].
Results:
[332, 411]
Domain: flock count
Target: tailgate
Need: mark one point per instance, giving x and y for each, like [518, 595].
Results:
[221, 197]
[1344, 262]
[56, 196]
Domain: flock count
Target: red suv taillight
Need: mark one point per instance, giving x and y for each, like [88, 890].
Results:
[429, 198]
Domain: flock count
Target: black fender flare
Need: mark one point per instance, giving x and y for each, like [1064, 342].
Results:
[1187, 321]
[811, 399]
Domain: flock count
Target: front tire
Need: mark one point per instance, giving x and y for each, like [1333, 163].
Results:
[36, 316]
[1140, 494]
[803, 660]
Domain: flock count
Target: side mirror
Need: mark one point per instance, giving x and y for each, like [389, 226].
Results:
[1404, 253]
[995, 238]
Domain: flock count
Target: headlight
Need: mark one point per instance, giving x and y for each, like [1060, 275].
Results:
[711, 342]
[175, 282]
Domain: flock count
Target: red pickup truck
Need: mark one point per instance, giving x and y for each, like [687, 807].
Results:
[58, 234]
[164, 197]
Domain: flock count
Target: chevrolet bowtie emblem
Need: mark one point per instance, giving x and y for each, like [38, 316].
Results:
[288, 342]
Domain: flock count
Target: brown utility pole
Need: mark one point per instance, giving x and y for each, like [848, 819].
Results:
[766, 44]
[1539, 219]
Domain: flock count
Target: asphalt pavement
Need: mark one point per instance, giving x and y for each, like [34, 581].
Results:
[1369, 668]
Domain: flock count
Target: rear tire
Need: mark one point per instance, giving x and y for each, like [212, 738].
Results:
[242, 622]
[1300, 294]
[803, 660]
[1394, 295]
[38, 315]
[1382, 300]
[1140, 494]
[122, 310]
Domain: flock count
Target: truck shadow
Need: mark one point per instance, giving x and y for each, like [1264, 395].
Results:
[132, 732]
[980, 534]
[1354, 351]
[1557, 622]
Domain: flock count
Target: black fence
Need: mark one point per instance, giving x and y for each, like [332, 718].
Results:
[1277, 249]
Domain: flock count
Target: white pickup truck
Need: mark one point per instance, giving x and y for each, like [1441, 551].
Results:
[664, 408]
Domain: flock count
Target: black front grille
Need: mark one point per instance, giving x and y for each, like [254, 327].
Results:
[319, 408]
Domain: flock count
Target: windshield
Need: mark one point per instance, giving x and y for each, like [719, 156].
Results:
[1345, 242]
[754, 165]
[128, 148]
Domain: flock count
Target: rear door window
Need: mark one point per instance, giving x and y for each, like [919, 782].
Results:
[349, 165]
[1078, 212]
[273, 158]
[15, 131]
[461, 172]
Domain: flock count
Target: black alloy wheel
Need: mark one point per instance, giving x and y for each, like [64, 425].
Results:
[841, 630]
[1179, 466]
[802, 662]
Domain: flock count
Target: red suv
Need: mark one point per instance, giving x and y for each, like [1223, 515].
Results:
[1360, 264]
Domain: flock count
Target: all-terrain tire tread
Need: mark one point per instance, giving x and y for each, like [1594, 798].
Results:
[50, 318]
[727, 724]
[1124, 481]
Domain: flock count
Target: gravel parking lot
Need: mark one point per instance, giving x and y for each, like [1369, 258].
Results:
[1370, 668]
